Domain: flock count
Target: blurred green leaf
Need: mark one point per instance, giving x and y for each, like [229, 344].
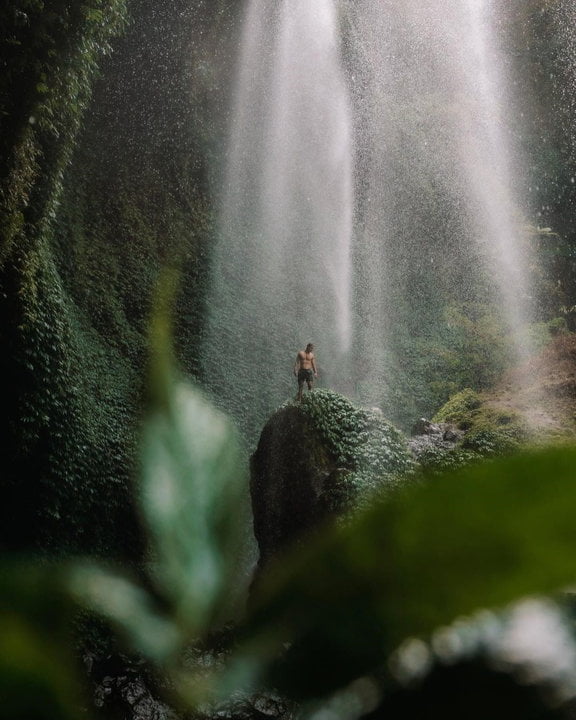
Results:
[191, 482]
[193, 475]
[129, 608]
[37, 672]
[481, 537]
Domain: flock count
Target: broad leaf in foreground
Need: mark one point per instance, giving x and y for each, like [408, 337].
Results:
[38, 674]
[192, 481]
[481, 537]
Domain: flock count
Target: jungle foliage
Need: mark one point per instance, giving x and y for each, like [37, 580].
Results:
[90, 207]
[49, 54]
[359, 439]
[58, 420]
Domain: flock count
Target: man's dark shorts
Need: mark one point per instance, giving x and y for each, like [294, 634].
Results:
[305, 376]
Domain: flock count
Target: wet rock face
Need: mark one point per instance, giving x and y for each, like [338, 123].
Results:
[291, 472]
[440, 436]
[126, 688]
[123, 688]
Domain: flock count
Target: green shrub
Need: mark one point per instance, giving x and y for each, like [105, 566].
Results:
[435, 460]
[557, 326]
[487, 442]
[458, 409]
[358, 438]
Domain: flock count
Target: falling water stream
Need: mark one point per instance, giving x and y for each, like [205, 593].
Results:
[281, 271]
[437, 220]
[367, 137]
[489, 170]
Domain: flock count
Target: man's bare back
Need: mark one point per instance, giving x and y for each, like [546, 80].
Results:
[305, 369]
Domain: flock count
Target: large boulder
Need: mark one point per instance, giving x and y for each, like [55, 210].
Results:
[317, 460]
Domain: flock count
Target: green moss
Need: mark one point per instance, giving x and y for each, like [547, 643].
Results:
[557, 326]
[50, 60]
[490, 431]
[69, 422]
[467, 411]
[81, 244]
[360, 440]
[459, 409]
[75, 319]
[354, 451]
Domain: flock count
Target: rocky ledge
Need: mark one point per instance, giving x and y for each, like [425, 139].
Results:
[316, 460]
[440, 436]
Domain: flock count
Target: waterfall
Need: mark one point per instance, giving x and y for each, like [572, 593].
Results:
[369, 188]
[437, 219]
[489, 169]
[281, 268]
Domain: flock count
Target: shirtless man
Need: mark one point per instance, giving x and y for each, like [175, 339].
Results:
[305, 369]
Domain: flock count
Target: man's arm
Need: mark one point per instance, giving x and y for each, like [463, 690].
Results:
[314, 366]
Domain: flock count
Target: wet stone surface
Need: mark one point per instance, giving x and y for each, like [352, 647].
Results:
[426, 434]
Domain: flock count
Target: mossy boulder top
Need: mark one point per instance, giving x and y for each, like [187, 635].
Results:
[316, 460]
[467, 429]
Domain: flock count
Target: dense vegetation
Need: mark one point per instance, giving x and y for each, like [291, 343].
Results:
[50, 54]
[359, 439]
[88, 218]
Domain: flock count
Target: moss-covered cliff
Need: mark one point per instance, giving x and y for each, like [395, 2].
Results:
[92, 205]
